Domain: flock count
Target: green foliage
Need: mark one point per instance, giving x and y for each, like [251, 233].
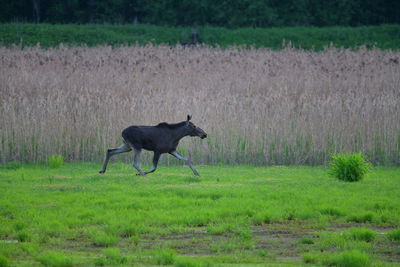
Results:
[361, 218]
[360, 234]
[4, 262]
[11, 166]
[56, 161]
[18, 226]
[220, 229]
[54, 259]
[332, 212]
[261, 218]
[384, 36]
[306, 241]
[103, 239]
[101, 261]
[191, 262]
[311, 258]
[352, 258]
[23, 236]
[164, 256]
[394, 235]
[128, 230]
[112, 256]
[349, 167]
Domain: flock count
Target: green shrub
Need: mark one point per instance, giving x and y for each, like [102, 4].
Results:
[56, 161]
[128, 231]
[30, 248]
[306, 241]
[261, 218]
[4, 262]
[115, 256]
[102, 261]
[352, 258]
[18, 226]
[394, 235]
[361, 218]
[11, 166]
[310, 258]
[25, 34]
[191, 262]
[23, 236]
[112, 256]
[102, 239]
[360, 234]
[165, 256]
[54, 259]
[349, 167]
[332, 212]
[219, 229]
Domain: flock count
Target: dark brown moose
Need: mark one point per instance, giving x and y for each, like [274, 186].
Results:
[162, 138]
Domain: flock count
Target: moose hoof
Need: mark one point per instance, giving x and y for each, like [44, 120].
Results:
[140, 174]
[101, 172]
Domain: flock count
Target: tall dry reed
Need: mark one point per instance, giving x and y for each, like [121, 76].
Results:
[258, 106]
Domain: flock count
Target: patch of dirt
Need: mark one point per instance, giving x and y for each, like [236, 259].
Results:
[282, 239]
[279, 239]
[276, 241]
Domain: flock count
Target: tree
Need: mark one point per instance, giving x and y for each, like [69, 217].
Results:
[36, 8]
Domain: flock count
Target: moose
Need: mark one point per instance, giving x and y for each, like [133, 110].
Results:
[162, 138]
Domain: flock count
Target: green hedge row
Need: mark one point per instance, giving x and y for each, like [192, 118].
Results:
[48, 35]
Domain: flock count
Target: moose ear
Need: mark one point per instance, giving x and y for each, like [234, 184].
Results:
[189, 118]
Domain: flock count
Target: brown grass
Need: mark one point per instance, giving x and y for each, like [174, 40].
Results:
[258, 106]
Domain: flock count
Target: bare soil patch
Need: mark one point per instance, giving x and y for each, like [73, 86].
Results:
[282, 240]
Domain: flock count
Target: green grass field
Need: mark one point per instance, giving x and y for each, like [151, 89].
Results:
[230, 216]
[48, 35]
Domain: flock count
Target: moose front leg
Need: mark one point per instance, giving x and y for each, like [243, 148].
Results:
[156, 158]
[187, 161]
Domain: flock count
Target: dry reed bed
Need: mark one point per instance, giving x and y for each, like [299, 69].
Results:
[258, 106]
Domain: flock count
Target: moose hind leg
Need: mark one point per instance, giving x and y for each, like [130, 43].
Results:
[187, 161]
[136, 161]
[111, 152]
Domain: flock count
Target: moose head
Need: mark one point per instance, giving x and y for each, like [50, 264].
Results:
[193, 129]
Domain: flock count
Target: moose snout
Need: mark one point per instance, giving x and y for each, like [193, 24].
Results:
[200, 133]
[204, 135]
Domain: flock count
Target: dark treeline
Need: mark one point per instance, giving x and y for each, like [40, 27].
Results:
[225, 13]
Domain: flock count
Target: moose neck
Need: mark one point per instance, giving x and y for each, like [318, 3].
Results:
[179, 133]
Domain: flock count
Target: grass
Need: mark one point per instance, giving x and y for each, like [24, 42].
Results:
[240, 215]
[112, 256]
[394, 235]
[362, 234]
[54, 259]
[4, 262]
[102, 239]
[352, 258]
[50, 35]
[164, 256]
